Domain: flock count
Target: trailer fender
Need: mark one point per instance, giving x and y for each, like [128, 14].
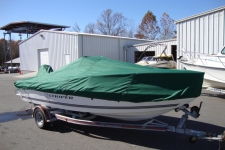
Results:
[45, 111]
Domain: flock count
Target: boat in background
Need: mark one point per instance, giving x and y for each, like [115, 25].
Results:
[212, 65]
[160, 61]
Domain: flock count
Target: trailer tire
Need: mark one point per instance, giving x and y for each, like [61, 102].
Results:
[40, 120]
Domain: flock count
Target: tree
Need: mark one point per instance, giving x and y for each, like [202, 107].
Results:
[14, 49]
[130, 29]
[90, 28]
[76, 28]
[112, 24]
[2, 52]
[167, 27]
[148, 29]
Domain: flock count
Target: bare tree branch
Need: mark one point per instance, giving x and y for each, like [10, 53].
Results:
[90, 28]
[76, 28]
[167, 27]
[112, 24]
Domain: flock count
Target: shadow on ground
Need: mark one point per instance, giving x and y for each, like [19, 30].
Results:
[10, 116]
[149, 139]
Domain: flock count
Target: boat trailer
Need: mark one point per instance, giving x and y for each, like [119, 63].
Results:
[44, 115]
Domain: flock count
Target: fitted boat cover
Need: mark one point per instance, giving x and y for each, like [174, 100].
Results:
[44, 69]
[103, 78]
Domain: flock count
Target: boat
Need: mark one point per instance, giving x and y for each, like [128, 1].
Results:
[163, 60]
[104, 87]
[212, 65]
[160, 61]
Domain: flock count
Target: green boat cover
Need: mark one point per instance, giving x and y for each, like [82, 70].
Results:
[103, 78]
[44, 69]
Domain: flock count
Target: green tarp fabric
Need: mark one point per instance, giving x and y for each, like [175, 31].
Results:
[44, 69]
[103, 78]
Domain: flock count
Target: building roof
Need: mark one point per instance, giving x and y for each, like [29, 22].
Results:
[154, 42]
[14, 61]
[79, 33]
[29, 27]
[201, 14]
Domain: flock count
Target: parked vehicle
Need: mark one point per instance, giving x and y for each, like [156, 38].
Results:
[9, 69]
[12, 69]
[3, 69]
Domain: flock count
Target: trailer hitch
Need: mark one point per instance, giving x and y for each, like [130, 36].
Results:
[195, 110]
[181, 107]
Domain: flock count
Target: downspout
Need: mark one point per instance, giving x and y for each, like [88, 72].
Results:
[223, 27]
[5, 51]
[125, 53]
[10, 48]
[82, 50]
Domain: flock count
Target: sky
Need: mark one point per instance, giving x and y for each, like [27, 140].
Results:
[82, 12]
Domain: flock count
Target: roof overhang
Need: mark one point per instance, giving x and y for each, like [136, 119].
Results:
[14, 61]
[29, 27]
[201, 14]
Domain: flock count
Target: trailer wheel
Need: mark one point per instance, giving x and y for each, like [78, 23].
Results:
[186, 105]
[40, 119]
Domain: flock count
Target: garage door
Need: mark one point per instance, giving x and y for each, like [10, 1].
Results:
[43, 57]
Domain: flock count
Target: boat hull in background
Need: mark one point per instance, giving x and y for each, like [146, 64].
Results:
[213, 77]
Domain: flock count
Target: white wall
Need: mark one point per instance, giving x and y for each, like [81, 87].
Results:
[58, 45]
[202, 33]
[73, 44]
[110, 47]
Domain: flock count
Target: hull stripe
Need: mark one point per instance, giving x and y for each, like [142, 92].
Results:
[208, 67]
[103, 107]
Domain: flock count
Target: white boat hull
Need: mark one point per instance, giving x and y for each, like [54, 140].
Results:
[214, 77]
[159, 64]
[113, 109]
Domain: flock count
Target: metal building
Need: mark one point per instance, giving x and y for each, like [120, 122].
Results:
[58, 48]
[134, 52]
[202, 33]
[24, 27]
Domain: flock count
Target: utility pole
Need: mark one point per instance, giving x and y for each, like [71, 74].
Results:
[4, 49]
[7, 47]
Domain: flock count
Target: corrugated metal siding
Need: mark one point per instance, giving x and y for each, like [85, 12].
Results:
[100, 46]
[109, 47]
[126, 42]
[75, 45]
[57, 44]
[158, 49]
[202, 34]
